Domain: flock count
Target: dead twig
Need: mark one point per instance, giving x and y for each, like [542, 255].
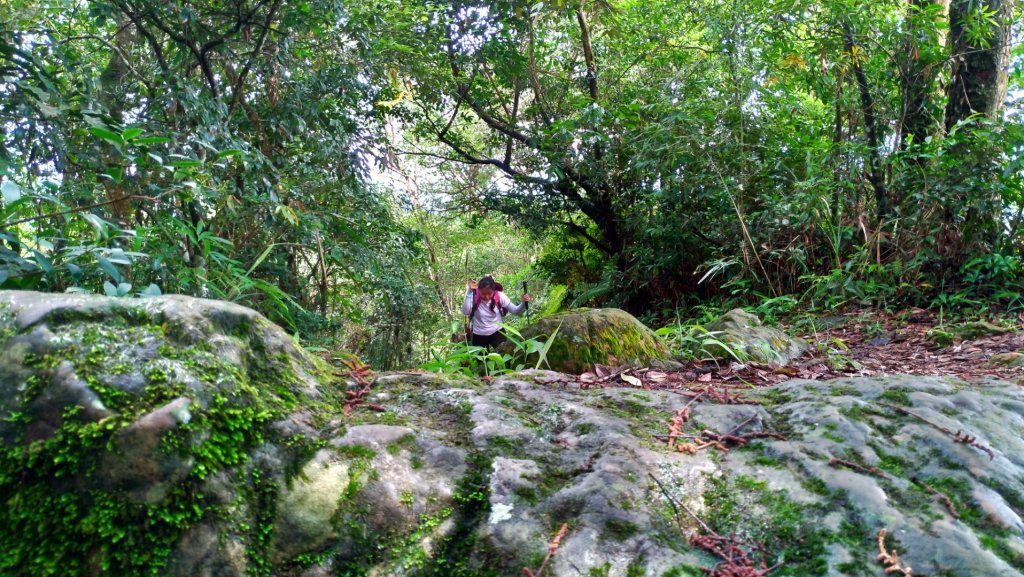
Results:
[736, 429]
[891, 560]
[722, 396]
[942, 497]
[709, 438]
[677, 503]
[362, 375]
[959, 436]
[552, 547]
[681, 416]
[736, 562]
[850, 464]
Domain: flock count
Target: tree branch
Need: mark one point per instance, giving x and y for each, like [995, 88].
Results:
[237, 88]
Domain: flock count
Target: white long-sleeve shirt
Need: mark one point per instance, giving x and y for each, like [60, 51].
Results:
[485, 321]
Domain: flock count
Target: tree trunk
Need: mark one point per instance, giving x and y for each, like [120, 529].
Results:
[980, 69]
[923, 51]
[867, 103]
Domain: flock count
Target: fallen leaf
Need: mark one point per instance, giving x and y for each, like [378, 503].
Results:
[705, 378]
[656, 376]
[632, 380]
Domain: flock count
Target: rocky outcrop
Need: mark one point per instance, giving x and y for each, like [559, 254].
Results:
[586, 337]
[258, 470]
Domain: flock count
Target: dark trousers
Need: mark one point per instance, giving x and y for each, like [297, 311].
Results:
[491, 341]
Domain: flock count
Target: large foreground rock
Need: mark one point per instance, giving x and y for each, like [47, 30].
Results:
[244, 463]
[586, 337]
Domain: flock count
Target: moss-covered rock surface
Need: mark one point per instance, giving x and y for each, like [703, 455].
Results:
[586, 337]
[176, 436]
[749, 340]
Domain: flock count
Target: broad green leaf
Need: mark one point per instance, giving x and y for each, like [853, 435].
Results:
[185, 163]
[151, 140]
[107, 135]
[109, 268]
[43, 261]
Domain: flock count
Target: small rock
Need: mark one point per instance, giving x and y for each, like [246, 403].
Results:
[1008, 360]
[980, 329]
[940, 337]
[752, 341]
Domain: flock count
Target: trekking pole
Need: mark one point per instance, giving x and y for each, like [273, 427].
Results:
[527, 303]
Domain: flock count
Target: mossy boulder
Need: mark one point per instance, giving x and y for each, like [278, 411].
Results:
[748, 339]
[174, 436]
[587, 337]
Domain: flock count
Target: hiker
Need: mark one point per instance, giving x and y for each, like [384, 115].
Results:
[486, 305]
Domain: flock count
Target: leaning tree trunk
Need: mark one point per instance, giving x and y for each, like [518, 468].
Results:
[979, 77]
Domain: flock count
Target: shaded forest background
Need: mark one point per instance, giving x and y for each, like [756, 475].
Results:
[344, 166]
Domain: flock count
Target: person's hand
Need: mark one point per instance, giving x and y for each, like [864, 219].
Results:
[472, 285]
[527, 298]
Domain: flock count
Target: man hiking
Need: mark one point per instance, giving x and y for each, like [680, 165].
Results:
[486, 305]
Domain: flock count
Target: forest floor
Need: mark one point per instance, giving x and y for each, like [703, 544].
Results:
[853, 343]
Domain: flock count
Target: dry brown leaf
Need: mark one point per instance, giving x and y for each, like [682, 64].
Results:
[632, 380]
[656, 376]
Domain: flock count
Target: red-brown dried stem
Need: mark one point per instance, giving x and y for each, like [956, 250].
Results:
[736, 562]
[361, 374]
[891, 560]
[722, 396]
[861, 468]
[709, 438]
[552, 547]
[942, 497]
[959, 436]
[680, 417]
